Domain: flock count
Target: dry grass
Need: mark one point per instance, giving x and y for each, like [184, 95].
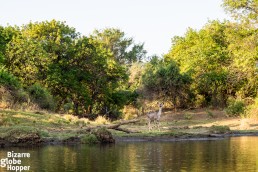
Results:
[130, 112]
[71, 118]
[101, 120]
[200, 122]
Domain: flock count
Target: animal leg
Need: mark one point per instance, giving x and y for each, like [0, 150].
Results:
[149, 125]
[158, 125]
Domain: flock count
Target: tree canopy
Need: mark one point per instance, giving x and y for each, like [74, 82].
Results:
[221, 58]
[83, 71]
[242, 9]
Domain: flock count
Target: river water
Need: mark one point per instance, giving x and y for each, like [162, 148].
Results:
[230, 154]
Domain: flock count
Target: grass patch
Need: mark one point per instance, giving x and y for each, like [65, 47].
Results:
[217, 129]
[17, 131]
[188, 116]
[89, 139]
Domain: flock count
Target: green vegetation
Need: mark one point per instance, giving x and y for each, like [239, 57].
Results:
[55, 66]
[89, 139]
[235, 107]
[49, 67]
[33, 128]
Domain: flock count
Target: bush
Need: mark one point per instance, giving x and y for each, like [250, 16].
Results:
[235, 107]
[41, 96]
[20, 96]
[200, 101]
[89, 139]
[8, 80]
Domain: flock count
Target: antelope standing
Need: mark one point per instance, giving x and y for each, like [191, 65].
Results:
[155, 116]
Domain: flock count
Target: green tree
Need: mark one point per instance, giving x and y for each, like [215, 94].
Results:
[220, 58]
[85, 72]
[124, 49]
[6, 35]
[101, 74]
[242, 9]
[204, 56]
[26, 59]
[165, 81]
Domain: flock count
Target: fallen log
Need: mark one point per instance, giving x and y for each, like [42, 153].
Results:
[113, 126]
[126, 130]
[117, 126]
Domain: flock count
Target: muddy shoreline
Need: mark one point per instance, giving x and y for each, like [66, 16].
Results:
[129, 138]
[195, 137]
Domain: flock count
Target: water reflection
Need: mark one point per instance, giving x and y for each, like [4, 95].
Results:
[234, 154]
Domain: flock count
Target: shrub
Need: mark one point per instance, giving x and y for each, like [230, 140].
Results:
[8, 80]
[20, 96]
[200, 101]
[89, 139]
[235, 107]
[41, 96]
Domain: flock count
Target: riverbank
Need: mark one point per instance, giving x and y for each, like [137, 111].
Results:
[19, 128]
[196, 124]
[39, 128]
[183, 137]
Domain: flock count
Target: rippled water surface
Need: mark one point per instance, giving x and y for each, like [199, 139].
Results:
[232, 154]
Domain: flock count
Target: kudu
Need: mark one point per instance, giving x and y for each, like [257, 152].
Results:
[155, 116]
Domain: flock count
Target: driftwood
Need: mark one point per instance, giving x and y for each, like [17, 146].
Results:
[115, 126]
[126, 130]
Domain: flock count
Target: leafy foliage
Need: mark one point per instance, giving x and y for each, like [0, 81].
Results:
[99, 75]
[235, 107]
[123, 49]
[8, 80]
[167, 83]
[215, 57]
[41, 96]
[52, 59]
[242, 9]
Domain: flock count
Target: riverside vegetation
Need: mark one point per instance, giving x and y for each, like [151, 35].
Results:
[56, 84]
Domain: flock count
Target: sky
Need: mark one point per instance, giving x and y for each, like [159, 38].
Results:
[152, 22]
